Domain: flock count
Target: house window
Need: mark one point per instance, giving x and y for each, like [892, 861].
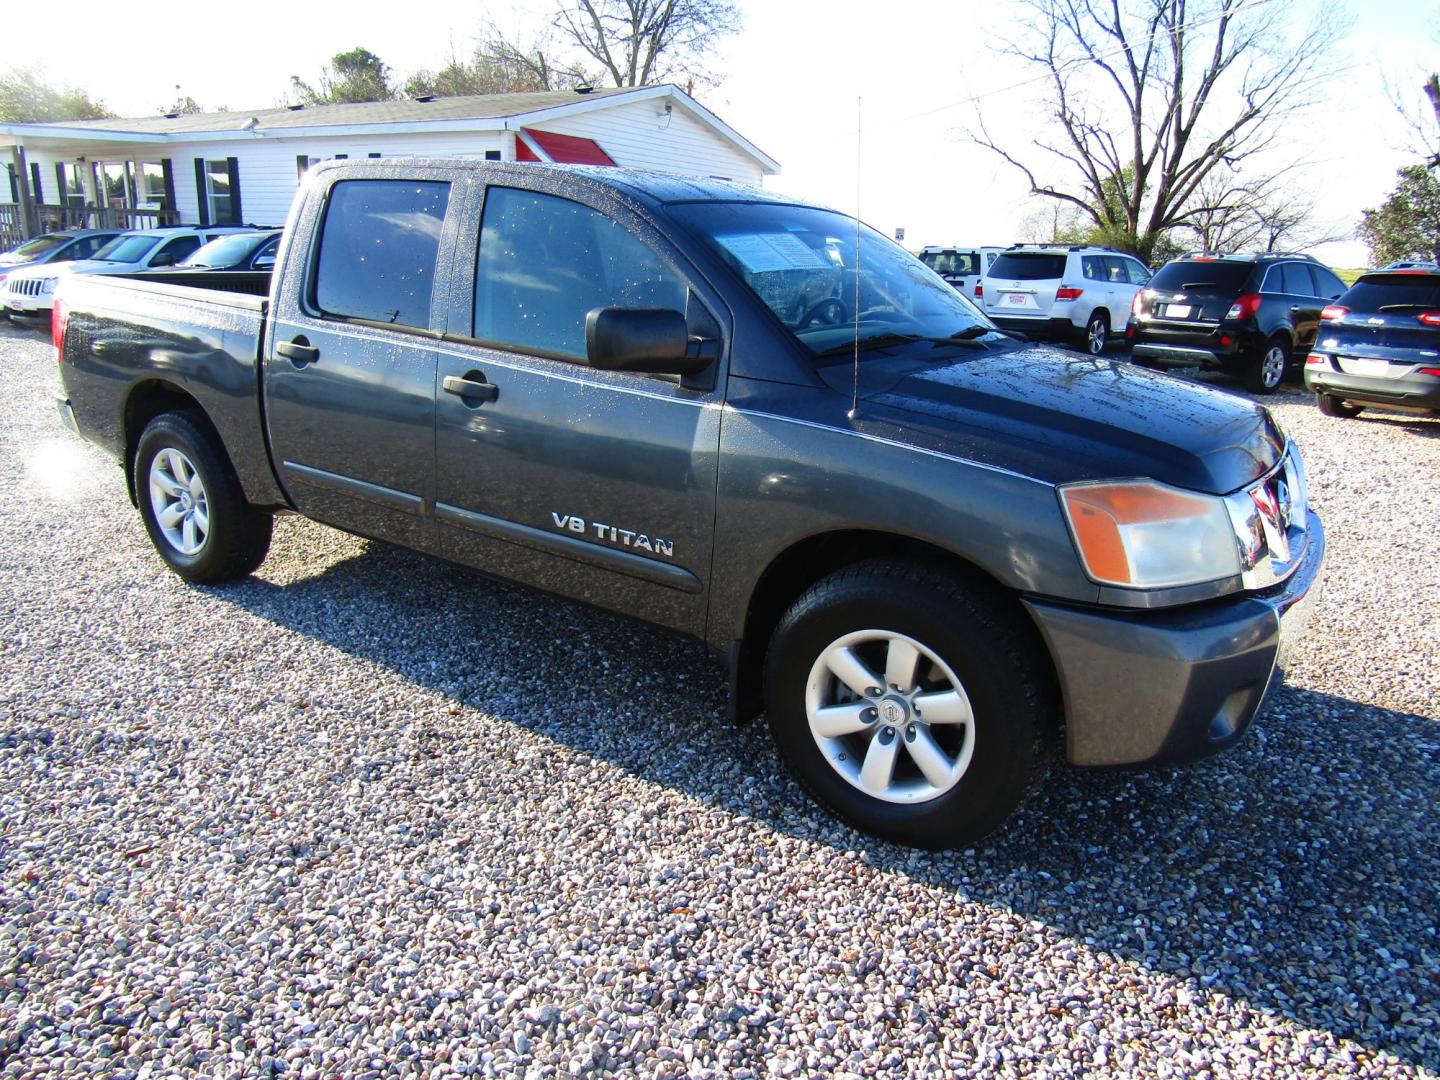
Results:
[111, 175]
[150, 181]
[74, 187]
[217, 192]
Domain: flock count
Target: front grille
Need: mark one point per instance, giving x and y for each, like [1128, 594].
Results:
[25, 286]
[1270, 519]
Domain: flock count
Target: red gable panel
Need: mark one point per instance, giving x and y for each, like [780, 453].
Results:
[566, 149]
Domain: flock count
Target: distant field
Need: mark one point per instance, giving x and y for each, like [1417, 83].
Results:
[1349, 276]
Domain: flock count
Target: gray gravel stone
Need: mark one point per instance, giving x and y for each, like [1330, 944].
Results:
[368, 814]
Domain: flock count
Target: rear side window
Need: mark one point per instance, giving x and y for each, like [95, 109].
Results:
[1296, 280]
[545, 262]
[378, 250]
[86, 246]
[1328, 283]
[1127, 271]
[1202, 276]
[1028, 266]
[178, 248]
[1093, 267]
[1379, 292]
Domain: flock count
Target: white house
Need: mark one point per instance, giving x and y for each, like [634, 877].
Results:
[244, 166]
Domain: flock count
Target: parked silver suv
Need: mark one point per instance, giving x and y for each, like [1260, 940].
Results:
[1076, 294]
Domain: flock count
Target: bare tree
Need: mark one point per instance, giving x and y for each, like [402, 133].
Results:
[1147, 98]
[641, 42]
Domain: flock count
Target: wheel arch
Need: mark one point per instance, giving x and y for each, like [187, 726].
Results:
[814, 557]
[151, 398]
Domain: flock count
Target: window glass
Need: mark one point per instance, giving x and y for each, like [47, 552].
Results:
[87, 246]
[1380, 292]
[1130, 271]
[1202, 274]
[1092, 268]
[33, 249]
[1328, 284]
[217, 188]
[378, 250]
[1295, 280]
[1025, 266]
[178, 248]
[545, 262]
[128, 248]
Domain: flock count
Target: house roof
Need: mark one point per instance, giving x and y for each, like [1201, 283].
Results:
[481, 112]
[479, 107]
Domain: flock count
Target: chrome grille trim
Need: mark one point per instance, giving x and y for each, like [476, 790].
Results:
[1270, 518]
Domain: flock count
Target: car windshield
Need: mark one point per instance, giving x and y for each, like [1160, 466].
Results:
[33, 249]
[126, 249]
[225, 251]
[1027, 266]
[804, 264]
[1216, 274]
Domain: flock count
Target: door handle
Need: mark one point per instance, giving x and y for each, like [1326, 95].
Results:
[472, 387]
[298, 351]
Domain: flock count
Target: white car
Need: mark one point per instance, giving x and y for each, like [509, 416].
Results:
[1077, 294]
[29, 293]
[960, 266]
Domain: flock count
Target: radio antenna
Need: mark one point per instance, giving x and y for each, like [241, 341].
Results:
[855, 376]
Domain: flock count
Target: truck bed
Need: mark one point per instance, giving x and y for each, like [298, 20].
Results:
[202, 331]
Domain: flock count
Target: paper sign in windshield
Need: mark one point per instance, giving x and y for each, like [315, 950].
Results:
[761, 253]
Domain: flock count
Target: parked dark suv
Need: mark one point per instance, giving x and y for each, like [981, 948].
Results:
[1251, 315]
[1380, 345]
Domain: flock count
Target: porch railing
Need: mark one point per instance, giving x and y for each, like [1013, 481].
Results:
[51, 218]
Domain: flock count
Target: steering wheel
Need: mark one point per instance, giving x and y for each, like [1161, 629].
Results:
[827, 312]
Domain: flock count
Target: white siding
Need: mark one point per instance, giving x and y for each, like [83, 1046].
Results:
[640, 135]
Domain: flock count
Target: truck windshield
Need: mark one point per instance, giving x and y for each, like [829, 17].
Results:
[127, 249]
[804, 264]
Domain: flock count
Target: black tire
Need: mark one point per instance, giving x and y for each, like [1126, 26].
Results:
[986, 645]
[1266, 369]
[1333, 406]
[1096, 334]
[235, 535]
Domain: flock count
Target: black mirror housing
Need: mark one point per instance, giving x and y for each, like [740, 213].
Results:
[650, 340]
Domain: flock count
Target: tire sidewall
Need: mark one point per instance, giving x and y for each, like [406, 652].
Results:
[998, 774]
[1089, 343]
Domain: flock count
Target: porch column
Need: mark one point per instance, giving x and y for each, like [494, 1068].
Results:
[28, 223]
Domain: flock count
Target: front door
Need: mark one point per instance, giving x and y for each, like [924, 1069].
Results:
[590, 484]
[350, 363]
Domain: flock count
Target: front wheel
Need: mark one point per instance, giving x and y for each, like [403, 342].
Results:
[192, 503]
[908, 701]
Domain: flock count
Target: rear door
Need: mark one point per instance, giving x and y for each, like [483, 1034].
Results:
[597, 485]
[1303, 293]
[351, 356]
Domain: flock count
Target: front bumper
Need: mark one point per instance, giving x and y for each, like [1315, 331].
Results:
[1413, 391]
[1170, 686]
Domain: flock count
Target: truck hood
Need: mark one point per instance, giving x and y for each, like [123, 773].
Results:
[1063, 418]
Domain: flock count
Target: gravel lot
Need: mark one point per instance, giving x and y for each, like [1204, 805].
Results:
[368, 814]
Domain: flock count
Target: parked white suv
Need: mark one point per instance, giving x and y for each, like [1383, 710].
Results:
[1077, 294]
[961, 267]
[29, 293]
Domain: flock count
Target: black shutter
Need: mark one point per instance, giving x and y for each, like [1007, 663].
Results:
[36, 191]
[200, 192]
[237, 216]
[372, 154]
[62, 198]
[302, 162]
[167, 167]
[341, 157]
[14, 187]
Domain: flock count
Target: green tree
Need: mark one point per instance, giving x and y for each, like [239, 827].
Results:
[26, 99]
[357, 75]
[1407, 224]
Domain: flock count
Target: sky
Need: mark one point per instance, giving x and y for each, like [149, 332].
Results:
[864, 105]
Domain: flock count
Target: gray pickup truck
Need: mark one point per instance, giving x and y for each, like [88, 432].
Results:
[925, 548]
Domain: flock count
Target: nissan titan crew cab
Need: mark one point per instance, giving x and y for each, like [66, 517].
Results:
[923, 548]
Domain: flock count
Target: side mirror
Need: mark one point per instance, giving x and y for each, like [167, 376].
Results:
[265, 262]
[165, 258]
[650, 340]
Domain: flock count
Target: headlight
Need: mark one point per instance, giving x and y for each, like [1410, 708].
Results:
[47, 285]
[1144, 535]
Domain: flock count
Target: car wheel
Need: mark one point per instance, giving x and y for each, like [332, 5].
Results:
[1267, 370]
[192, 503]
[1097, 333]
[908, 701]
[1333, 406]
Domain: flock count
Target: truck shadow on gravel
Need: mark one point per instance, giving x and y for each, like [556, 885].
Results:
[1296, 875]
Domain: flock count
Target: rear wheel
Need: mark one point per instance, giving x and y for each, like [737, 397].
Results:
[192, 503]
[1267, 369]
[907, 701]
[1333, 406]
[1097, 333]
